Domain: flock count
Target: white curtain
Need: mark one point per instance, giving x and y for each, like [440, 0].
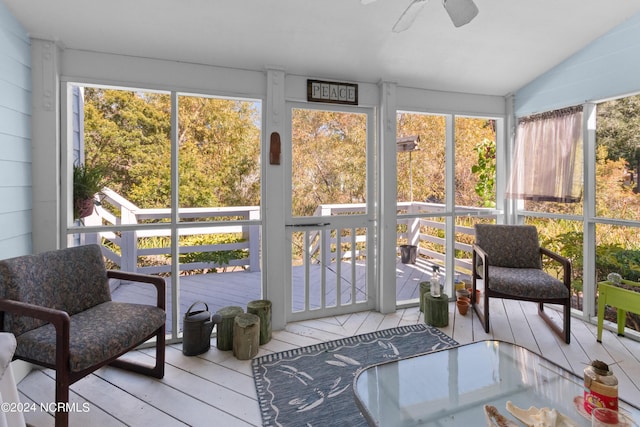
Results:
[547, 162]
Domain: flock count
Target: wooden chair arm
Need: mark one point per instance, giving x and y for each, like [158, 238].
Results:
[58, 318]
[480, 251]
[157, 281]
[477, 251]
[564, 262]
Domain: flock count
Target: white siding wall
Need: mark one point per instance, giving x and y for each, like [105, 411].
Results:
[15, 137]
[607, 68]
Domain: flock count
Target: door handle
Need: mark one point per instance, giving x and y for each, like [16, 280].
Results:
[274, 149]
[319, 224]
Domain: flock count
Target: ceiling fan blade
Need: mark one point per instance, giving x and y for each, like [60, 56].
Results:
[409, 15]
[461, 12]
[366, 1]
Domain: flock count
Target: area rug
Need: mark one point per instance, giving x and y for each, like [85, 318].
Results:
[312, 386]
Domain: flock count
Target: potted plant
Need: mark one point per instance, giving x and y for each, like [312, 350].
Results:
[87, 181]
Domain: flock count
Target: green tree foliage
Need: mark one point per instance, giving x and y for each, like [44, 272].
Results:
[618, 124]
[469, 132]
[485, 169]
[328, 159]
[219, 142]
[614, 197]
[128, 133]
[618, 148]
[427, 164]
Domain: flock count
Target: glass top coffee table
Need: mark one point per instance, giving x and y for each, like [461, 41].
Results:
[450, 387]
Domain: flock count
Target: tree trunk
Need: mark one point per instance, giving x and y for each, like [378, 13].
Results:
[262, 308]
[224, 336]
[246, 336]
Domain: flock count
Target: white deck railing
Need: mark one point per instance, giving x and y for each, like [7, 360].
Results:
[124, 248]
[414, 234]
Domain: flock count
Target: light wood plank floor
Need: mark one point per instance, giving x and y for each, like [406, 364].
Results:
[215, 389]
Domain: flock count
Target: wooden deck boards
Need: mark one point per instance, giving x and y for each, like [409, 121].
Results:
[216, 389]
[219, 290]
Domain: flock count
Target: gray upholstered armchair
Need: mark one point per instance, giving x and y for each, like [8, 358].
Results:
[58, 305]
[508, 258]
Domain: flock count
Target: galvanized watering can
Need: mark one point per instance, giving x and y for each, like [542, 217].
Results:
[196, 330]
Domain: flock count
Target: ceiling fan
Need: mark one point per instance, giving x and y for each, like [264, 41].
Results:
[461, 12]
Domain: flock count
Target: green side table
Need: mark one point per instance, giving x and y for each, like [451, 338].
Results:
[622, 299]
[436, 310]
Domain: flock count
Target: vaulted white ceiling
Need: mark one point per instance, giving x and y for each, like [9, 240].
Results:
[508, 44]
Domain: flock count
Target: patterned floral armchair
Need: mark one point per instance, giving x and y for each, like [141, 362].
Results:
[58, 305]
[508, 258]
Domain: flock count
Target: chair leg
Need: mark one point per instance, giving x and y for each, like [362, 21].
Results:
[486, 311]
[565, 332]
[156, 371]
[567, 322]
[62, 398]
[483, 315]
